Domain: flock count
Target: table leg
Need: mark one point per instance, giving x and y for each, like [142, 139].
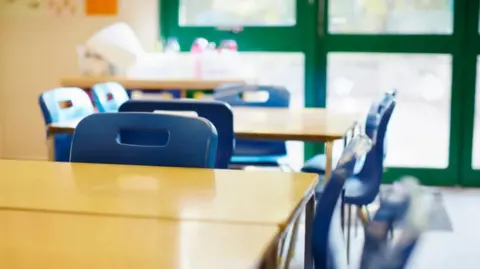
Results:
[51, 148]
[183, 93]
[309, 215]
[329, 159]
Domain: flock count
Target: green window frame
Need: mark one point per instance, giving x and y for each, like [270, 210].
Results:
[316, 42]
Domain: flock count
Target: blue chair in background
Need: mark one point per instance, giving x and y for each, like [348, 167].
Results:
[119, 138]
[219, 113]
[64, 104]
[109, 96]
[328, 246]
[255, 152]
[317, 163]
[362, 188]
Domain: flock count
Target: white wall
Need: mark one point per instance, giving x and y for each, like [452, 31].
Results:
[35, 51]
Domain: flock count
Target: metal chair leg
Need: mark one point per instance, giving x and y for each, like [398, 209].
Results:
[342, 211]
[391, 232]
[349, 219]
[355, 229]
[362, 212]
[292, 244]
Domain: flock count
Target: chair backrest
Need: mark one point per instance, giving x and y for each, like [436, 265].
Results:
[119, 138]
[278, 97]
[387, 97]
[327, 238]
[219, 113]
[63, 104]
[372, 170]
[109, 96]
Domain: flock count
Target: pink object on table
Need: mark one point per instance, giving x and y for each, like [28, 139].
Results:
[199, 45]
[229, 44]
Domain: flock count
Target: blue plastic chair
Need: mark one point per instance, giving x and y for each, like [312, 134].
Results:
[109, 96]
[317, 163]
[255, 152]
[119, 138]
[328, 246]
[219, 113]
[64, 104]
[363, 188]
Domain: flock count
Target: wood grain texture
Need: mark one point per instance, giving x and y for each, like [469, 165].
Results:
[235, 196]
[33, 240]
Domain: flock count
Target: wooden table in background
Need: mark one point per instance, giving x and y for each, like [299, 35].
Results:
[268, 198]
[303, 124]
[86, 82]
[36, 240]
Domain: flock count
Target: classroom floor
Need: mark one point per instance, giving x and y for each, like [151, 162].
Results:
[452, 240]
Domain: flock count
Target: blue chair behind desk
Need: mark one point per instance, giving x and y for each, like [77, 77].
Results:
[255, 152]
[109, 96]
[363, 188]
[64, 104]
[317, 163]
[218, 113]
[145, 139]
[328, 245]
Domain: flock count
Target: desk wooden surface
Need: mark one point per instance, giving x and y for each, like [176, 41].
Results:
[34, 240]
[259, 197]
[305, 124]
[147, 84]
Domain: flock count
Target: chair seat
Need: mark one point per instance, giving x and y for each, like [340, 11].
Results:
[318, 163]
[263, 160]
[356, 190]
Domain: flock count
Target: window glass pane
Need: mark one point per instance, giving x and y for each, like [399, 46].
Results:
[419, 130]
[391, 16]
[476, 130]
[237, 12]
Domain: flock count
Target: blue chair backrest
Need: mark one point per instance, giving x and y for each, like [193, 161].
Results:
[381, 107]
[327, 237]
[118, 138]
[278, 97]
[219, 113]
[64, 104]
[388, 96]
[109, 96]
[372, 170]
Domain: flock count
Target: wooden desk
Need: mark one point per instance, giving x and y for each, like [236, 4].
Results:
[34, 240]
[259, 197]
[222, 196]
[305, 124]
[183, 85]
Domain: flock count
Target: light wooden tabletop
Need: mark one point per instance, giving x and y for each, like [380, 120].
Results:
[147, 84]
[260, 197]
[304, 124]
[34, 240]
